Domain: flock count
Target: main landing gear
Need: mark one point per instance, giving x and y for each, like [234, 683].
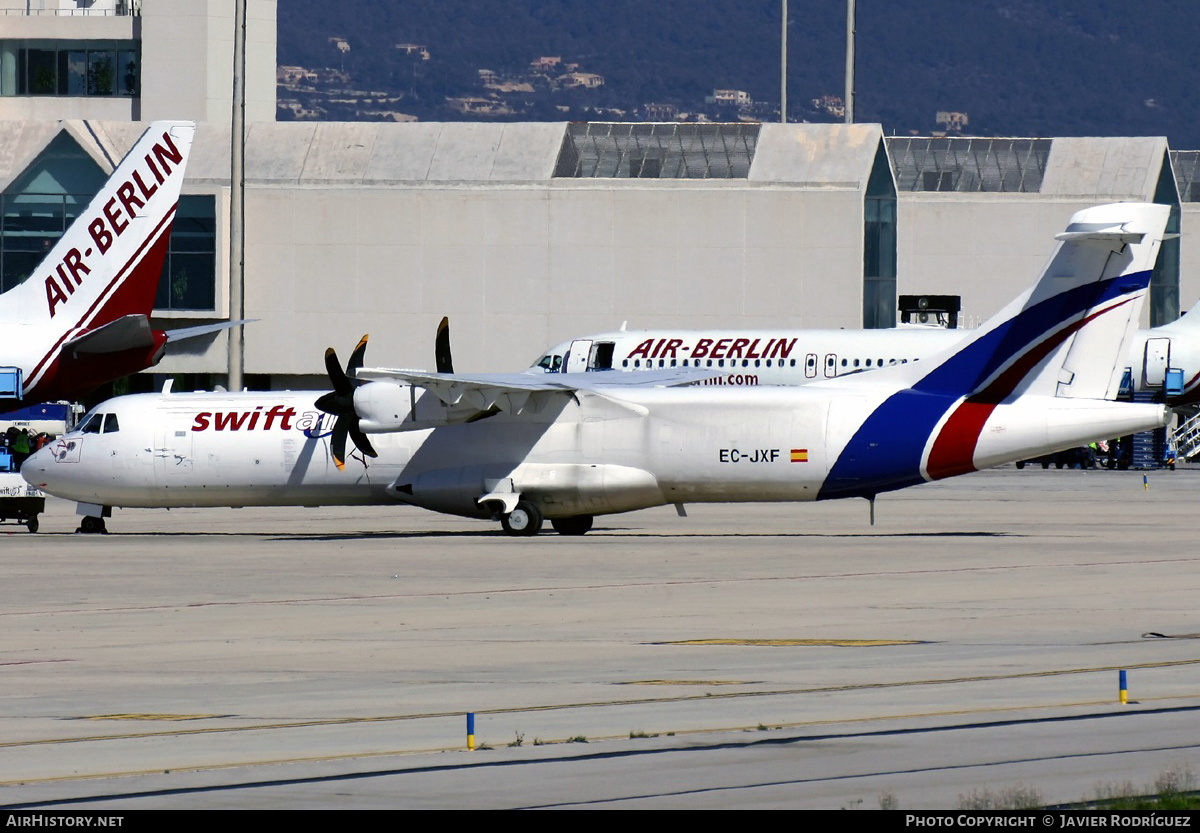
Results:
[91, 525]
[527, 519]
[575, 525]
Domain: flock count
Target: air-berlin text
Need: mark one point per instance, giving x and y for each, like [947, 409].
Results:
[125, 202]
[708, 348]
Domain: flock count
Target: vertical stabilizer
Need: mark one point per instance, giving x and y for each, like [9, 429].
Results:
[108, 263]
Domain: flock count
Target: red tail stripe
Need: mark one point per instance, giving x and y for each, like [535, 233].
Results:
[953, 451]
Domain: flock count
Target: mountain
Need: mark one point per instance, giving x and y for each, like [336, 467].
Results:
[1014, 67]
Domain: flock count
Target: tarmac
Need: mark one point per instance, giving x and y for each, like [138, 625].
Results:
[967, 646]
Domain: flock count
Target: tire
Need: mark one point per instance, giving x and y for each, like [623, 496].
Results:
[525, 519]
[91, 525]
[1020, 464]
[574, 525]
[32, 523]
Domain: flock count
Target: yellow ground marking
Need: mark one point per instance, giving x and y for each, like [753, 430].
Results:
[151, 717]
[685, 682]
[785, 643]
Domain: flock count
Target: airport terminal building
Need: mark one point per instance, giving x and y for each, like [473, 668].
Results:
[526, 234]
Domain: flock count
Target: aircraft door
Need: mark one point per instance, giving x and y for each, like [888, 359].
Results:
[577, 356]
[1157, 360]
[830, 365]
[172, 452]
[601, 356]
[810, 366]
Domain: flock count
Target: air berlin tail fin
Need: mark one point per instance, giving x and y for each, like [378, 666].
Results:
[107, 264]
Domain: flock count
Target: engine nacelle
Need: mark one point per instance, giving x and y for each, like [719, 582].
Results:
[559, 490]
[387, 406]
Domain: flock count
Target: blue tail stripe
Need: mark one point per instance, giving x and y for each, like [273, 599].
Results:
[885, 453]
[967, 371]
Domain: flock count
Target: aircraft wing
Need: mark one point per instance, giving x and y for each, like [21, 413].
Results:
[469, 396]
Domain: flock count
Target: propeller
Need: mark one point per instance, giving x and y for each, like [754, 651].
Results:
[441, 348]
[340, 403]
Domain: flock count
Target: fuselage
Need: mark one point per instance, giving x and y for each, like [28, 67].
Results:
[588, 454]
[749, 358]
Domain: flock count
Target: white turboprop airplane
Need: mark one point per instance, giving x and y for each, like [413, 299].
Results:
[1161, 360]
[1035, 379]
[83, 317]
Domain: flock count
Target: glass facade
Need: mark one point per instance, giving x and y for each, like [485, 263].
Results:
[974, 164]
[41, 203]
[657, 151]
[1164, 281]
[879, 246]
[1186, 164]
[70, 67]
[188, 280]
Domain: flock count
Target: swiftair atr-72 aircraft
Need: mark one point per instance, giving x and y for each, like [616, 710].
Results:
[82, 318]
[520, 448]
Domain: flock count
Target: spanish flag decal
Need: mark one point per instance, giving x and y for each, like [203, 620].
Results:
[799, 455]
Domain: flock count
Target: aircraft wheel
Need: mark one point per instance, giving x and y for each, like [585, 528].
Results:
[91, 525]
[32, 523]
[575, 525]
[1020, 464]
[525, 519]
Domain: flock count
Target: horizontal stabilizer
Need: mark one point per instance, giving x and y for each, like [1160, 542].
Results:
[125, 333]
[1099, 232]
[203, 330]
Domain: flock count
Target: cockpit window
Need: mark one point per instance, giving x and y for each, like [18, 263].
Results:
[92, 424]
[550, 363]
[99, 424]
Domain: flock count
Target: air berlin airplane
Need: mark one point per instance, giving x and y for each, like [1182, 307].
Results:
[82, 318]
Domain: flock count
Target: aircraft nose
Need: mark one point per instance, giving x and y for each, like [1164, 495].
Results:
[35, 469]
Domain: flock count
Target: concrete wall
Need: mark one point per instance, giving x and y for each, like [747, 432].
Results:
[986, 248]
[187, 60]
[520, 268]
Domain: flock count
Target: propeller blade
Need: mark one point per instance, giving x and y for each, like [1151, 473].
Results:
[356, 358]
[337, 377]
[340, 403]
[443, 361]
[337, 444]
[362, 443]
